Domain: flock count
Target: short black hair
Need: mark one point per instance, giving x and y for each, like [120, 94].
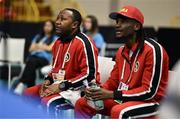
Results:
[76, 15]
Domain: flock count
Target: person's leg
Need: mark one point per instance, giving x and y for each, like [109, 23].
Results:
[134, 109]
[32, 91]
[29, 73]
[83, 110]
[32, 94]
[53, 103]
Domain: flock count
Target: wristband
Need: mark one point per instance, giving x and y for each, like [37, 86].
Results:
[117, 95]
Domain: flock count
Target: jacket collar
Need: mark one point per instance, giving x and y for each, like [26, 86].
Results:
[126, 51]
[135, 47]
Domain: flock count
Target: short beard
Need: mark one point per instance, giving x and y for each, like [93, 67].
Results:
[64, 34]
[126, 40]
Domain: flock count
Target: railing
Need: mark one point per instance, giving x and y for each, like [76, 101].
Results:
[22, 10]
[34, 11]
[26, 10]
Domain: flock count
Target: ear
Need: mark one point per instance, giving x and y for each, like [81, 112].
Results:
[137, 26]
[75, 24]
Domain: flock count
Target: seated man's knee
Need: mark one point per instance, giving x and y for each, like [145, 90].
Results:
[34, 91]
[117, 112]
[26, 92]
[80, 103]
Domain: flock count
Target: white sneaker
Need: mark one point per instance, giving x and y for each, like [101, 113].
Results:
[19, 89]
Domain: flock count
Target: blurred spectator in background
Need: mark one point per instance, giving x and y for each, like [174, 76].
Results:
[90, 27]
[40, 55]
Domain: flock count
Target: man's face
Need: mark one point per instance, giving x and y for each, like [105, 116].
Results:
[124, 27]
[64, 23]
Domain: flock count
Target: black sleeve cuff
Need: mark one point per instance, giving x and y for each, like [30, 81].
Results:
[117, 95]
[50, 79]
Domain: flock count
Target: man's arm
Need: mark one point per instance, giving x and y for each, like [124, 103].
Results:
[106, 92]
[87, 56]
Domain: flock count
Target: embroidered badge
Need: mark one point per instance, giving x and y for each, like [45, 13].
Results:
[67, 57]
[136, 67]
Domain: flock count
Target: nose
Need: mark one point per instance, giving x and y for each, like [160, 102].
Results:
[58, 22]
[118, 23]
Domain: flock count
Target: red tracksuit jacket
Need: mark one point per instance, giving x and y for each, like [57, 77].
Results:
[81, 62]
[149, 76]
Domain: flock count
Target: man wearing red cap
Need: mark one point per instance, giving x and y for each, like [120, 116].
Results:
[139, 78]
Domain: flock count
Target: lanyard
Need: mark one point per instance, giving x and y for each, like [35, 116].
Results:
[124, 65]
[56, 57]
[64, 56]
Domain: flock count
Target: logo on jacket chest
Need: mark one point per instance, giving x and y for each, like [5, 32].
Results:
[136, 67]
[67, 57]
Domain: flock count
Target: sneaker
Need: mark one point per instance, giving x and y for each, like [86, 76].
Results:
[19, 89]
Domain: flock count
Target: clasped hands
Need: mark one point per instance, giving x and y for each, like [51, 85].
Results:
[47, 89]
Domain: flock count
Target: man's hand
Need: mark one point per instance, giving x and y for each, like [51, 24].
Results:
[50, 90]
[54, 88]
[43, 88]
[98, 94]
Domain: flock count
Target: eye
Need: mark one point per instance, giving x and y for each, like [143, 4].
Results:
[116, 21]
[120, 21]
[57, 17]
[63, 18]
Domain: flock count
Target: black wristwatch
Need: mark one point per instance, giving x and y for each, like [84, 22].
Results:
[64, 85]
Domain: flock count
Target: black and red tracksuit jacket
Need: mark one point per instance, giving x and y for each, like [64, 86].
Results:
[149, 77]
[82, 61]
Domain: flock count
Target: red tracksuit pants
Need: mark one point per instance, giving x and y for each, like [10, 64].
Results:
[50, 101]
[134, 109]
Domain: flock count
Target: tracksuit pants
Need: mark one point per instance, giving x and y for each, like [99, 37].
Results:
[50, 102]
[130, 109]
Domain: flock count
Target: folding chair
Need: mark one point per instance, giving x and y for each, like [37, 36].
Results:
[11, 52]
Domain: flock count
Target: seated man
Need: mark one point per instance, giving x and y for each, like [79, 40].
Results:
[74, 61]
[139, 78]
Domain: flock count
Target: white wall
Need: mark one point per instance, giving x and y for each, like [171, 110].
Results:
[157, 12]
[99, 8]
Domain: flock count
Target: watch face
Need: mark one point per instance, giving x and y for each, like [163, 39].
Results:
[62, 85]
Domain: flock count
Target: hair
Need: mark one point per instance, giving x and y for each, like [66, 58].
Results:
[53, 25]
[76, 15]
[42, 34]
[141, 36]
[94, 22]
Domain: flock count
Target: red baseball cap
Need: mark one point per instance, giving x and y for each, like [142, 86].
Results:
[129, 12]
